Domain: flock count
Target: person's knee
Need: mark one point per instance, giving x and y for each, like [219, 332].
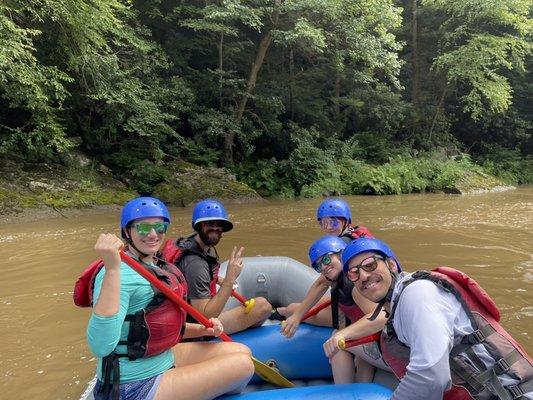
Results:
[234, 347]
[241, 348]
[245, 362]
[262, 305]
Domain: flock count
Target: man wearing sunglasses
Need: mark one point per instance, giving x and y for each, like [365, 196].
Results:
[325, 258]
[442, 339]
[199, 262]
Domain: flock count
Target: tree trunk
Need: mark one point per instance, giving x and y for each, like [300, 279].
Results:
[438, 109]
[337, 93]
[415, 80]
[254, 71]
[250, 85]
[291, 84]
[220, 70]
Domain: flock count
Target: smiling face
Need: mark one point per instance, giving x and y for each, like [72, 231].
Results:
[210, 232]
[332, 270]
[373, 285]
[148, 244]
[333, 226]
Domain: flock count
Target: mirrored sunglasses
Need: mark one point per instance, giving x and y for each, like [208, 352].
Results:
[333, 223]
[144, 228]
[368, 264]
[324, 262]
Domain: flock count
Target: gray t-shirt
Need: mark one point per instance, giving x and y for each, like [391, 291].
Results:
[197, 272]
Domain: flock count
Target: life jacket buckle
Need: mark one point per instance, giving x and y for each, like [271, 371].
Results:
[501, 366]
[476, 337]
[515, 391]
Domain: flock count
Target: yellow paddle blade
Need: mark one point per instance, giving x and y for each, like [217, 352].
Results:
[271, 375]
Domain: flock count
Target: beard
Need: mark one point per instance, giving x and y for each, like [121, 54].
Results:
[210, 237]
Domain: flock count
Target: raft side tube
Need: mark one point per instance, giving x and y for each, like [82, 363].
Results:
[301, 357]
[355, 391]
[281, 280]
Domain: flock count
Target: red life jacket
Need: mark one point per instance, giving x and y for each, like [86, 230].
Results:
[468, 382]
[154, 329]
[356, 232]
[172, 253]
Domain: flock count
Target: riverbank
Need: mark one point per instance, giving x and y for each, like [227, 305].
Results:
[35, 191]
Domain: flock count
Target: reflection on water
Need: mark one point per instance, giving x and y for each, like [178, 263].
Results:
[43, 352]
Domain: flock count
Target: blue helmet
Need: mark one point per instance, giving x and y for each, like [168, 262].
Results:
[143, 207]
[325, 245]
[363, 245]
[210, 210]
[334, 208]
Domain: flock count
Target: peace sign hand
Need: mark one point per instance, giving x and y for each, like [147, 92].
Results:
[235, 265]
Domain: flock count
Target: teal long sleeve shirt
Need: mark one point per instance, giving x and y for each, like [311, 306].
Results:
[104, 332]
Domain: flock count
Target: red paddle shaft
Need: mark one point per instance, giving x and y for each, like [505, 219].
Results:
[316, 310]
[169, 293]
[239, 297]
[366, 339]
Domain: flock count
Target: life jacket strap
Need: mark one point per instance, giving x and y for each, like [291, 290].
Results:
[335, 308]
[517, 391]
[501, 366]
[472, 384]
[480, 335]
[110, 365]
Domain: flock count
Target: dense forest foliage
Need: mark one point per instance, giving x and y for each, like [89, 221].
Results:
[296, 97]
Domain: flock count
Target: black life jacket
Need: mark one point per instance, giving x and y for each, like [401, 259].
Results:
[341, 297]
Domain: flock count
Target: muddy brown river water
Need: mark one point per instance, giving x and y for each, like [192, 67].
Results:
[43, 353]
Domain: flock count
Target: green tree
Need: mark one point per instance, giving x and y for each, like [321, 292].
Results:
[482, 40]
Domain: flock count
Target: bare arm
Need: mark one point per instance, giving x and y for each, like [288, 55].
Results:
[197, 330]
[362, 327]
[213, 307]
[314, 294]
[108, 246]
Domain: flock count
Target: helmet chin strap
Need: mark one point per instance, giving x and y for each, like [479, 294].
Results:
[387, 298]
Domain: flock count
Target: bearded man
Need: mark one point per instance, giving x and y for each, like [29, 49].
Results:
[199, 262]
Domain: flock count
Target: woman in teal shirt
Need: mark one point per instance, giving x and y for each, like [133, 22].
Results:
[195, 370]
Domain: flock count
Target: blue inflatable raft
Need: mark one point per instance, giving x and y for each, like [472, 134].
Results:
[300, 359]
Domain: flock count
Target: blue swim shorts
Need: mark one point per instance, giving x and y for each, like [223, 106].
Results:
[143, 389]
